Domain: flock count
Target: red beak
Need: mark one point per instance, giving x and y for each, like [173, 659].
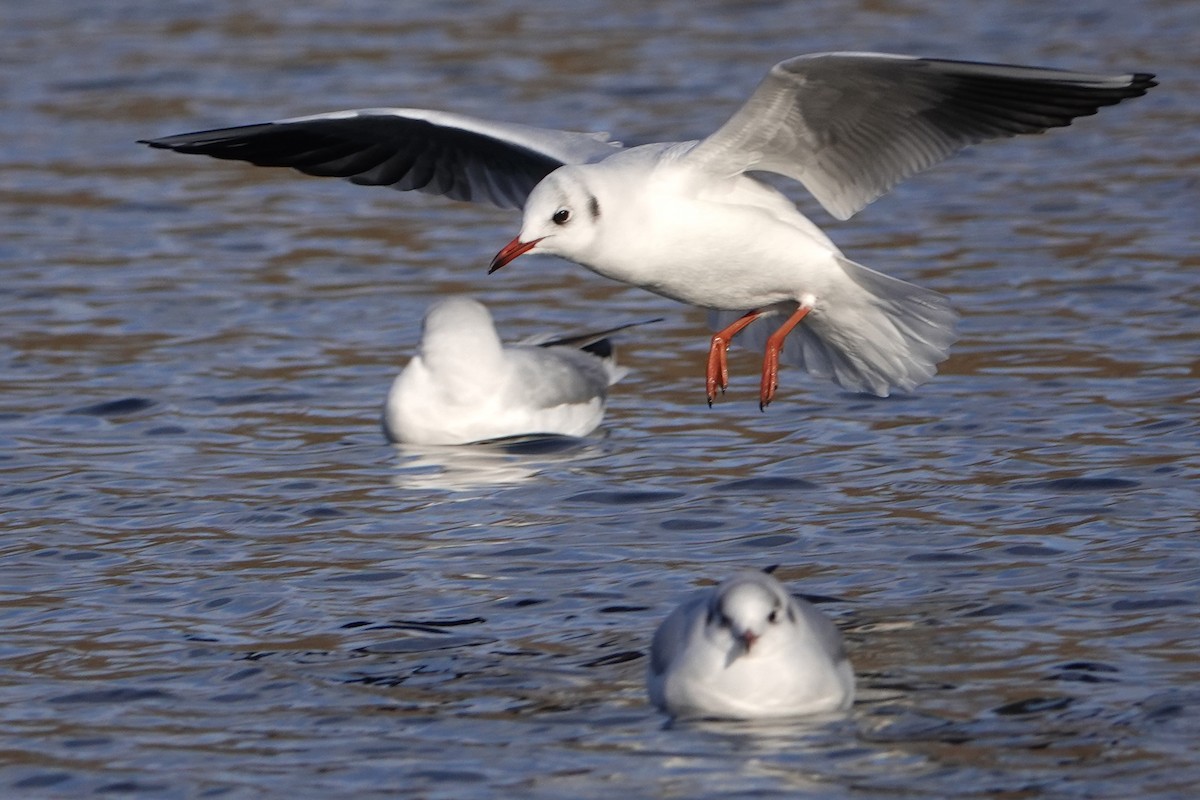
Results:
[510, 251]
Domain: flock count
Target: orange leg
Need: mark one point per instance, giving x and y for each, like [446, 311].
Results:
[717, 373]
[770, 372]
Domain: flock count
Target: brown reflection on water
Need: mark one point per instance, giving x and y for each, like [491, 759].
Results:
[211, 553]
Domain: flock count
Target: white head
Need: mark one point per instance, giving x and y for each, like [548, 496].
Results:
[749, 613]
[458, 329]
[562, 218]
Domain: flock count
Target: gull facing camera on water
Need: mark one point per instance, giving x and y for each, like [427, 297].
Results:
[689, 221]
[465, 386]
[747, 649]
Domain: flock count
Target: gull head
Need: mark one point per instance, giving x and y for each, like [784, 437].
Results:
[562, 218]
[747, 615]
[457, 328]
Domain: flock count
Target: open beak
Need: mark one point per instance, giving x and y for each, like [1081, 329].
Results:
[510, 251]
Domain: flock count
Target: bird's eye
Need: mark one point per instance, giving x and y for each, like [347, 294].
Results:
[561, 216]
[774, 617]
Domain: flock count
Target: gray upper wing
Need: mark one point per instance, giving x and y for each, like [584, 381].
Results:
[671, 637]
[823, 627]
[849, 126]
[437, 152]
[552, 376]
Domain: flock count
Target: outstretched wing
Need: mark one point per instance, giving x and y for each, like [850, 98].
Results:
[405, 148]
[850, 126]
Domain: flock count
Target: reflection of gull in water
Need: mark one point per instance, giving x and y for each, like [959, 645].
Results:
[465, 386]
[498, 463]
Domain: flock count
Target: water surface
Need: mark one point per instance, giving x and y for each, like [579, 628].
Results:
[219, 580]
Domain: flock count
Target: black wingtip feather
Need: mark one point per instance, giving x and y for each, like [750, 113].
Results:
[201, 141]
[602, 348]
[380, 150]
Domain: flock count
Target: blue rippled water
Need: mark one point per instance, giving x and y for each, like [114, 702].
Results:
[218, 579]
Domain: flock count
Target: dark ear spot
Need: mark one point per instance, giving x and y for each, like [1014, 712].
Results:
[594, 207]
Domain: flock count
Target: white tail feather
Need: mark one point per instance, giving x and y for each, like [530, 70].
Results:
[882, 336]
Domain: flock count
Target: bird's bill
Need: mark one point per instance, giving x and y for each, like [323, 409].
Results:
[510, 251]
[741, 647]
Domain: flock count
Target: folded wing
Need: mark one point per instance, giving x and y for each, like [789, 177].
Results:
[554, 376]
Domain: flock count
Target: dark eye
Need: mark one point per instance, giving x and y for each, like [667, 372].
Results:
[561, 216]
[774, 617]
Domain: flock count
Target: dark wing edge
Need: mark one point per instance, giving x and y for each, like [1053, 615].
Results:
[954, 104]
[430, 152]
[982, 102]
[850, 126]
[595, 342]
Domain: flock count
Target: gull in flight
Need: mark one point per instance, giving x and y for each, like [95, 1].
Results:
[692, 222]
[747, 649]
[464, 386]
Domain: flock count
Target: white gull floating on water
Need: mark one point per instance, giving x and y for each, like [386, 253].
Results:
[465, 386]
[747, 649]
[688, 220]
